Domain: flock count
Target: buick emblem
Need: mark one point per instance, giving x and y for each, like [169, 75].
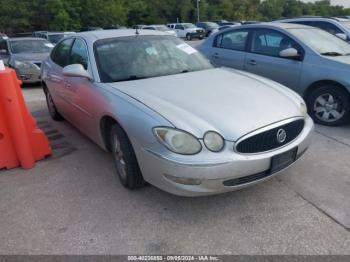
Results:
[281, 136]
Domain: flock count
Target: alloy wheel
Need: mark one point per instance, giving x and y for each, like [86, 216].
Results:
[119, 158]
[328, 108]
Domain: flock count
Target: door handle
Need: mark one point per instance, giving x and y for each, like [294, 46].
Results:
[67, 84]
[252, 62]
[216, 55]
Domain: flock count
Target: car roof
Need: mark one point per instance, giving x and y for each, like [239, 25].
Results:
[105, 34]
[275, 25]
[309, 18]
[25, 38]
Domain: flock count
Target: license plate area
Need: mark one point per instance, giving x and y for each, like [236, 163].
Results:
[283, 160]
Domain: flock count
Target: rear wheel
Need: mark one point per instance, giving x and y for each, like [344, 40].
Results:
[55, 115]
[124, 159]
[329, 105]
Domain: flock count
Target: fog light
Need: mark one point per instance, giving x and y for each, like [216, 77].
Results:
[184, 181]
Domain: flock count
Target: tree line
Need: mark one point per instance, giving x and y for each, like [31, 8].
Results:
[71, 15]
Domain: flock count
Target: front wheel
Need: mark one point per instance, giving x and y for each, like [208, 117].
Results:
[55, 115]
[124, 159]
[329, 105]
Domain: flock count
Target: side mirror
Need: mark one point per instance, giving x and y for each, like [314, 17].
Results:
[289, 53]
[342, 36]
[76, 70]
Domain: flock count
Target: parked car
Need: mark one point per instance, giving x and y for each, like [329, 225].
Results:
[309, 60]
[3, 36]
[55, 37]
[161, 28]
[39, 33]
[169, 117]
[90, 28]
[224, 27]
[187, 30]
[25, 55]
[225, 22]
[209, 27]
[336, 26]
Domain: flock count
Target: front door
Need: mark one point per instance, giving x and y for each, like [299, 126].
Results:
[264, 59]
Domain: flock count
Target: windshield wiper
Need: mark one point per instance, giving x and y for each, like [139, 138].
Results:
[332, 54]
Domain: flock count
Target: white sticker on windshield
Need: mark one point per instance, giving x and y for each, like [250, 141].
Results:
[151, 50]
[5, 37]
[187, 48]
[49, 45]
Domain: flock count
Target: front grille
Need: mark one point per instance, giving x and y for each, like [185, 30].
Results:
[268, 140]
[246, 179]
[199, 31]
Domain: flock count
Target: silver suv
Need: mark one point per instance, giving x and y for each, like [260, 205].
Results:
[334, 25]
[308, 60]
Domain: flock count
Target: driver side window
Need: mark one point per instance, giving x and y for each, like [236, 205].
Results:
[79, 54]
[60, 54]
[271, 43]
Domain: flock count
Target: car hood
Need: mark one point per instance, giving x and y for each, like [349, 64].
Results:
[228, 101]
[31, 57]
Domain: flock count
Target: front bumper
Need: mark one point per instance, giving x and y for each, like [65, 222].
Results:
[197, 34]
[215, 177]
[29, 76]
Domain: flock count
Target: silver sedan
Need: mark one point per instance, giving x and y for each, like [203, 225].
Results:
[25, 55]
[170, 118]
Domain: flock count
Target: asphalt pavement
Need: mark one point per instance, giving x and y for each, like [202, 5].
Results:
[74, 204]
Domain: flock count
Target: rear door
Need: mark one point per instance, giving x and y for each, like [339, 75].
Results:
[263, 57]
[229, 49]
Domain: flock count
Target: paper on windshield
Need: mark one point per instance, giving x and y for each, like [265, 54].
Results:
[187, 48]
[49, 45]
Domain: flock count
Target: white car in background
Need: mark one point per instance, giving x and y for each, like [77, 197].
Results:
[187, 30]
[161, 28]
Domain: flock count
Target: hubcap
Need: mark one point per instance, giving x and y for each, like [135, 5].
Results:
[119, 158]
[328, 108]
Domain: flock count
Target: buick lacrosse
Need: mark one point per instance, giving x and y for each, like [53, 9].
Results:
[169, 117]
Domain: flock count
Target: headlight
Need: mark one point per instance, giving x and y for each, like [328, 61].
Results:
[178, 141]
[22, 65]
[213, 141]
[303, 108]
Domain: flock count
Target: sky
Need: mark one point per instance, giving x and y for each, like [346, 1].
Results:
[345, 3]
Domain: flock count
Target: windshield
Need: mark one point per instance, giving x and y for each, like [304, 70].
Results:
[162, 28]
[131, 58]
[30, 46]
[210, 24]
[189, 25]
[56, 38]
[346, 24]
[321, 41]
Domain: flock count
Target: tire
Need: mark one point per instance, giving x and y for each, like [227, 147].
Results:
[188, 37]
[55, 115]
[329, 105]
[124, 159]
